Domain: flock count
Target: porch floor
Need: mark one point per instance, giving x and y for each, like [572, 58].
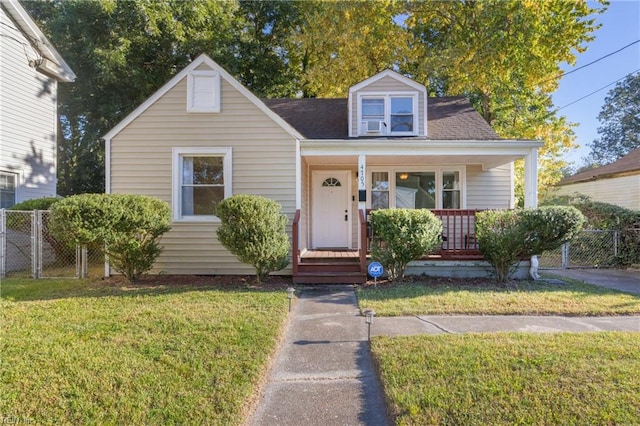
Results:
[331, 254]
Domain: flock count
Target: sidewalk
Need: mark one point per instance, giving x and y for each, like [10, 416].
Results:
[323, 372]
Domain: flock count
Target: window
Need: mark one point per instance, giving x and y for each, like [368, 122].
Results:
[388, 114]
[201, 179]
[203, 91]
[413, 189]
[379, 190]
[7, 190]
[401, 115]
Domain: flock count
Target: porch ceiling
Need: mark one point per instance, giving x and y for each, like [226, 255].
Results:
[486, 161]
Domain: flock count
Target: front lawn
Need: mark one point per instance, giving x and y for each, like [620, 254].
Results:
[484, 297]
[506, 379]
[92, 352]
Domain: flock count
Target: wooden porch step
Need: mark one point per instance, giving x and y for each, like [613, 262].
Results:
[330, 278]
[329, 267]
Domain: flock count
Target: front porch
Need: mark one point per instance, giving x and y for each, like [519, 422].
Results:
[349, 266]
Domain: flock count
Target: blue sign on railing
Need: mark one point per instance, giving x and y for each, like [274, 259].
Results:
[375, 269]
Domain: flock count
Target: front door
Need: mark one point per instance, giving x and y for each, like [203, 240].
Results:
[331, 209]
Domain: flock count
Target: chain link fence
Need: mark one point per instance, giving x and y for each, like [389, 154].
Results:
[28, 249]
[590, 249]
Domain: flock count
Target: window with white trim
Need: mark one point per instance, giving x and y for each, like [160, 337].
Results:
[201, 179]
[8, 184]
[389, 114]
[203, 91]
[411, 188]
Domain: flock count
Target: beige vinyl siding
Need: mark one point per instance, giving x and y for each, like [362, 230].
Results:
[489, 189]
[387, 84]
[623, 191]
[27, 116]
[263, 157]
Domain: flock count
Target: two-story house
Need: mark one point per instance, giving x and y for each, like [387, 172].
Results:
[30, 69]
[326, 161]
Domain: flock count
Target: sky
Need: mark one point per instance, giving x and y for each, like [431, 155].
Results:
[620, 27]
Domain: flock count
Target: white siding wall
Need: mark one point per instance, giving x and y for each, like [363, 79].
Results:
[386, 84]
[489, 189]
[622, 191]
[263, 164]
[27, 116]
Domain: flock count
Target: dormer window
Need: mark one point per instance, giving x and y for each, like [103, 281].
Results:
[388, 114]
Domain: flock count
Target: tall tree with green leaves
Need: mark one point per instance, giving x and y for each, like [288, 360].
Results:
[505, 55]
[344, 42]
[121, 52]
[619, 123]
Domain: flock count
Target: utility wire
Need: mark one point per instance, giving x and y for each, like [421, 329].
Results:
[599, 59]
[596, 91]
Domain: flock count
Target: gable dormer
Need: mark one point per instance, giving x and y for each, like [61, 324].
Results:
[387, 104]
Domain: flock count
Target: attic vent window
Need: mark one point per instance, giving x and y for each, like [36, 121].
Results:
[203, 91]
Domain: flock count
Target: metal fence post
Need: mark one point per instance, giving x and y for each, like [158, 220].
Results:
[565, 255]
[34, 244]
[3, 243]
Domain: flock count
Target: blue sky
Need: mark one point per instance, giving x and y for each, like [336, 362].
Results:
[620, 26]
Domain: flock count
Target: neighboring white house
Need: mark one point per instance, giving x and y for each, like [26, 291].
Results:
[30, 69]
[616, 183]
[204, 136]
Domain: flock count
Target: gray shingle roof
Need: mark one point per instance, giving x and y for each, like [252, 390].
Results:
[449, 118]
[628, 164]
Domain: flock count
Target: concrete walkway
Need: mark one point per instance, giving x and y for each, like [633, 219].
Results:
[323, 372]
[618, 279]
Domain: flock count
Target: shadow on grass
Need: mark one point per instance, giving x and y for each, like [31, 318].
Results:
[27, 289]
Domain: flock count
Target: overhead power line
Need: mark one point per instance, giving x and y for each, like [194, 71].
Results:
[599, 59]
[596, 91]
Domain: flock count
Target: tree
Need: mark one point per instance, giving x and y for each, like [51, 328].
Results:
[620, 122]
[121, 52]
[505, 57]
[342, 43]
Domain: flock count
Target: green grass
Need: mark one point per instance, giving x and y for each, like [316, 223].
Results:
[507, 379]
[442, 297]
[91, 352]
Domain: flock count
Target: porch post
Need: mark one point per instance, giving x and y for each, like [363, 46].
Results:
[362, 190]
[531, 179]
[362, 182]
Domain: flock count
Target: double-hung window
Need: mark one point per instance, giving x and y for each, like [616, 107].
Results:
[416, 189]
[8, 183]
[201, 179]
[389, 114]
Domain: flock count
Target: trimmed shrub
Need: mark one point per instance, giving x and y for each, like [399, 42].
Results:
[403, 235]
[500, 235]
[506, 236]
[43, 203]
[253, 229]
[127, 227]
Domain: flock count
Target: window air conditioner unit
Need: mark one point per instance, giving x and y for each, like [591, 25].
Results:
[372, 126]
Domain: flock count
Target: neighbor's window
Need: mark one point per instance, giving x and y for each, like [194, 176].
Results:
[7, 190]
[202, 178]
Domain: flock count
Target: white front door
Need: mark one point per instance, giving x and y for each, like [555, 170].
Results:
[331, 209]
